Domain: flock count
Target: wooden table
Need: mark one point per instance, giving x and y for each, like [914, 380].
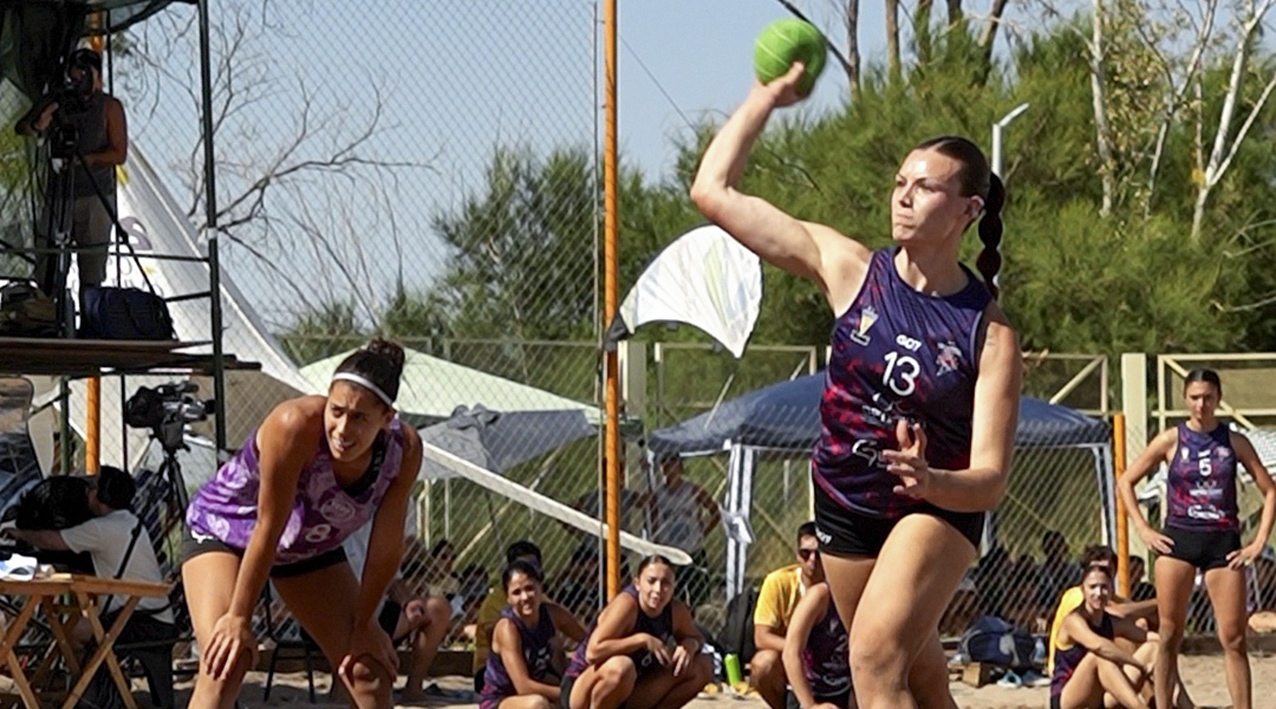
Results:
[84, 590]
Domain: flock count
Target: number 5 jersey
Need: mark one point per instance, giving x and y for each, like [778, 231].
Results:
[897, 353]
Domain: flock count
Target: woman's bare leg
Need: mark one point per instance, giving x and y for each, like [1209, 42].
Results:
[209, 580]
[914, 577]
[1174, 578]
[1226, 588]
[323, 601]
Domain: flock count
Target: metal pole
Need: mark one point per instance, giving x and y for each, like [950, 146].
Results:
[64, 435]
[1122, 515]
[997, 127]
[611, 300]
[93, 426]
[210, 218]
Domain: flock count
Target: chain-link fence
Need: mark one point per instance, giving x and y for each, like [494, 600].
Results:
[397, 170]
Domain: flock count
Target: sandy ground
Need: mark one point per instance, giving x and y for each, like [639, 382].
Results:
[1203, 675]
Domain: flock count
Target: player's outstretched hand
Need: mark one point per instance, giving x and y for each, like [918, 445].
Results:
[909, 462]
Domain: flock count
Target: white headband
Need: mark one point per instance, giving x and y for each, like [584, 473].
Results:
[352, 377]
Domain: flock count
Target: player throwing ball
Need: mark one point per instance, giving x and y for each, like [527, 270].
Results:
[1202, 531]
[921, 394]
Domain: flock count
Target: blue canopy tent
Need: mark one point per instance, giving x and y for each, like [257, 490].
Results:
[785, 417]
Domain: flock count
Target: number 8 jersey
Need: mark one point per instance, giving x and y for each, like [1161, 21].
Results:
[897, 353]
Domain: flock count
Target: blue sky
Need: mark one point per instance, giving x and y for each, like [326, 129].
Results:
[457, 79]
[700, 53]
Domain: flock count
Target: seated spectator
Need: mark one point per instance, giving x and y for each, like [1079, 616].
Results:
[1056, 573]
[494, 605]
[404, 615]
[578, 589]
[643, 651]
[439, 577]
[519, 672]
[473, 588]
[817, 653]
[1141, 613]
[119, 546]
[682, 515]
[992, 579]
[1089, 667]
[1021, 601]
[633, 505]
[1072, 598]
[777, 600]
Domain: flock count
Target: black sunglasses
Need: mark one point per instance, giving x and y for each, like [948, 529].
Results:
[808, 553]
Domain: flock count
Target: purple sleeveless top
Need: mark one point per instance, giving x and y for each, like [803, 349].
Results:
[1066, 661]
[1201, 489]
[497, 684]
[322, 515]
[660, 626]
[826, 656]
[897, 353]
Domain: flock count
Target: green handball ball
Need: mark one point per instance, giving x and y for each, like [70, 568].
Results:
[784, 42]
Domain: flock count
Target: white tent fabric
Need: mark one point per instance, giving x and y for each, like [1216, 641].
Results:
[706, 279]
[434, 387]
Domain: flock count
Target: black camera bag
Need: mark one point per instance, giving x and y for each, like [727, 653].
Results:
[111, 313]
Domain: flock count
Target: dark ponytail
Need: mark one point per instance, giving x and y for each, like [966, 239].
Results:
[977, 179]
[380, 363]
[989, 261]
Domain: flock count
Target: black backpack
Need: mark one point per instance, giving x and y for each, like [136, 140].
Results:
[737, 633]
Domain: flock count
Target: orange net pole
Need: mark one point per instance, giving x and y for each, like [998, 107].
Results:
[611, 302]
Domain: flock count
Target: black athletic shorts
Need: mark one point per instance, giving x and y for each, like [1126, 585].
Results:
[1204, 550]
[192, 547]
[844, 532]
[388, 619]
[839, 700]
[565, 692]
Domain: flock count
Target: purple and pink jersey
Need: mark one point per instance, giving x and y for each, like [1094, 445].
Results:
[826, 656]
[1201, 488]
[322, 514]
[537, 654]
[1067, 659]
[897, 353]
[660, 626]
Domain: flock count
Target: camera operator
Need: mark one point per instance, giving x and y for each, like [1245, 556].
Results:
[81, 120]
[109, 540]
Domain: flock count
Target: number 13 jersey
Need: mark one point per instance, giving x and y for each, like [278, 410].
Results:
[897, 353]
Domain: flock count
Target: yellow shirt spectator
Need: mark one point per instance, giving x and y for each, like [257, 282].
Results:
[488, 614]
[781, 591]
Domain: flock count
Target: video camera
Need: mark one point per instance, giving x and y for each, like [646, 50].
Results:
[72, 97]
[166, 410]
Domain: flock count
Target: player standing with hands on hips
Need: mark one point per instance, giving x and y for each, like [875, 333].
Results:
[921, 395]
[1202, 531]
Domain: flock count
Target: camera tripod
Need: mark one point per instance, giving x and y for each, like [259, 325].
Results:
[169, 435]
[53, 262]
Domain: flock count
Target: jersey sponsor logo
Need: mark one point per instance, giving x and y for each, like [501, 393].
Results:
[911, 344]
[949, 358]
[868, 316]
